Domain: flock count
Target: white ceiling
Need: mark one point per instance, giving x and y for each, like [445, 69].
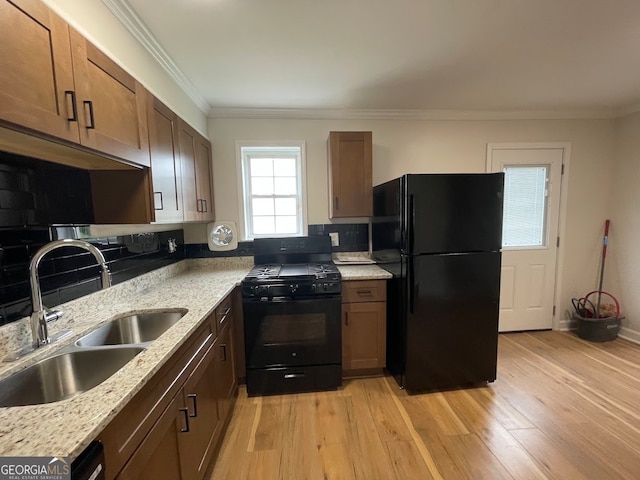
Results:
[471, 55]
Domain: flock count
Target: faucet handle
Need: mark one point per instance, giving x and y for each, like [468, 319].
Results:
[52, 315]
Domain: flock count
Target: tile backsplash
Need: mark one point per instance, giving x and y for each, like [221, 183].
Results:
[35, 192]
[354, 237]
[69, 273]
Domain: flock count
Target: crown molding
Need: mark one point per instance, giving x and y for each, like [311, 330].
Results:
[348, 114]
[134, 24]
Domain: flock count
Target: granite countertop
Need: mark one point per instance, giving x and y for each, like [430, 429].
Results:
[363, 272]
[65, 428]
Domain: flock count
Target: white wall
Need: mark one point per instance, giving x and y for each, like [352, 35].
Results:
[95, 22]
[440, 146]
[622, 275]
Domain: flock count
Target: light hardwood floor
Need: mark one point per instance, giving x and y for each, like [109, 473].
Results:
[562, 408]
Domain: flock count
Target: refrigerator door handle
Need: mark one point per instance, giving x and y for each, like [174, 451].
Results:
[411, 283]
[411, 218]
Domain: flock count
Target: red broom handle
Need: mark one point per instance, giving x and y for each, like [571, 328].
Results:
[605, 241]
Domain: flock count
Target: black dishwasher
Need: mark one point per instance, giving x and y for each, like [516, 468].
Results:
[90, 463]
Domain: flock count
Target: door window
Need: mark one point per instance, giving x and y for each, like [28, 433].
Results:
[525, 206]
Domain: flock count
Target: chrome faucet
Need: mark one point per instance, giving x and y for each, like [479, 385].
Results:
[41, 316]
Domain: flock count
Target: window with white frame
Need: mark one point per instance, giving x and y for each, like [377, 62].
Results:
[273, 190]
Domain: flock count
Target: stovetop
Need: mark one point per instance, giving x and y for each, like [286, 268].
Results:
[292, 268]
[295, 271]
[292, 280]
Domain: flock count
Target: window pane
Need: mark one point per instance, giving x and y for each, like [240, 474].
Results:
[286, 224]
[261, 167]
[285, 185]
[261, 185]
[524, 206]
[284, 167]
[262, 206]
[263, 225]
[286, 206]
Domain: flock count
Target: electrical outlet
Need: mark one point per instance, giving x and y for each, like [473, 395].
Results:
[335, 239]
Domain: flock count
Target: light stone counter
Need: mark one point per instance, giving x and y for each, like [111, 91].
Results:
[363, 272]
[65, 428]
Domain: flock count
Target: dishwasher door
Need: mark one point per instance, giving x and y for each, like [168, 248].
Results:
[90, 463]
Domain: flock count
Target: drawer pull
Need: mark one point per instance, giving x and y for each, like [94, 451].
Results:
[346, 319]
[194, 399]
[290, 376]
[363, 292]
[185, 411]
[92, 121]
[74, 105]
[223, 347]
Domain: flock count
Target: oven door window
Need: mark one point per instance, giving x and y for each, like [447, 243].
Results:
[283, 330]
[300, 332]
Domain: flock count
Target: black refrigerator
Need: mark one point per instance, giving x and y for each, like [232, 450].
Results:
[440, 236]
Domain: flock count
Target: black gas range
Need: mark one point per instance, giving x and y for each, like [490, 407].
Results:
[292, 317]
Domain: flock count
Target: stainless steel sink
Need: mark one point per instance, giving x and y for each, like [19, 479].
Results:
[63, 376]
[131, 329]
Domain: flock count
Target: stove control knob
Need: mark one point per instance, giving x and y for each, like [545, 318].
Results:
[325, 286]
[293, 287]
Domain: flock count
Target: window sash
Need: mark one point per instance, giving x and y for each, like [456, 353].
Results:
[249, 153]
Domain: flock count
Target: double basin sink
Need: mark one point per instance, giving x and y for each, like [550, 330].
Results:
[89, 361]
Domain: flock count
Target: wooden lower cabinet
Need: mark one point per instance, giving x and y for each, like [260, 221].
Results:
[364, 327]
[200, 417]
[158, 456]
[226, 381]
[181, 442]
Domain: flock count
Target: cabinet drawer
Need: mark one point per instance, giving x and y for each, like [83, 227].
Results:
[224, 312]
[364, 291]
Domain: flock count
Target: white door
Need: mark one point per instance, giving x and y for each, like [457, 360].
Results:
[530, 234]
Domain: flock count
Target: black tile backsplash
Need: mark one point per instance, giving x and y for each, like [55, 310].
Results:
[354, 237]
[36, 192]
[69, 273]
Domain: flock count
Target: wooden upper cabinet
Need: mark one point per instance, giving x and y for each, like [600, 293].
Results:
[195, 161]
[36, 76]
[203, 178]
[350, 174]
[165, 163]
[112, 105]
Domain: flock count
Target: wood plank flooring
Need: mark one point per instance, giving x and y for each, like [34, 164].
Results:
[562, 408]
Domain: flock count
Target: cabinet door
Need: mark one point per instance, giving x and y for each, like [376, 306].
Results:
[187, 142]
[165, 163]
[158, 455]
[195, 160]
[225, 376]
[112, 104]
[203, 179]
[199, 396]
[350, 174]
[364, 335]
[36, 78]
